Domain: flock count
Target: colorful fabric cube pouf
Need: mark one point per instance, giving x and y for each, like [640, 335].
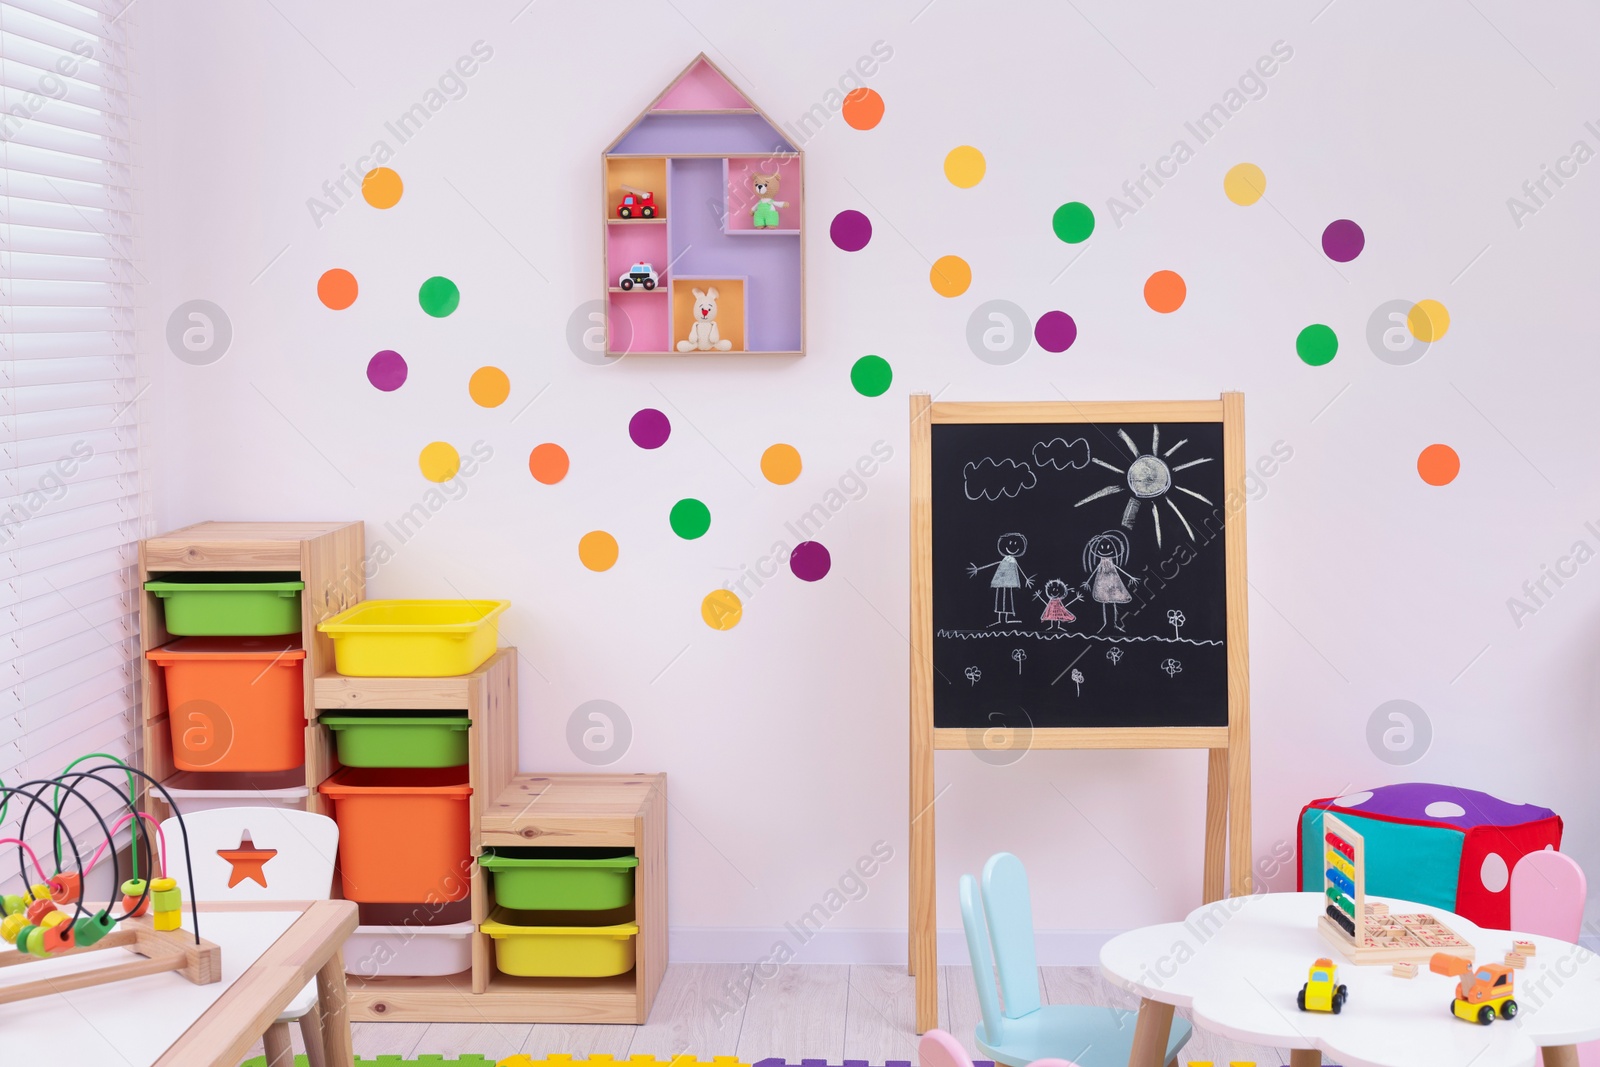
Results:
[1437, 845]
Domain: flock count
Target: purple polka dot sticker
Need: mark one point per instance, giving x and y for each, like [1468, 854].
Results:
[387, 370]
[1343, 240]
[649, 428]
[1055, 331]
[851, 230]
[810, 561]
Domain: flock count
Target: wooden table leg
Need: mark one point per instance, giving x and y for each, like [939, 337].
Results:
[1560, 1055]
[1150, 1034]
[277, 1046]
[335, 1004]
[1304, 1057]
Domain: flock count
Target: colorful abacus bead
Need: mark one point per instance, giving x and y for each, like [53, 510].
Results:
[22, 937]
[91, 928]
[132, 890]
[60, 937]
[12, 904]
[10, 926]
[53, 919]
[39, 909]
[168, 903]
[66, 887]
[36, 941]
[38, 891]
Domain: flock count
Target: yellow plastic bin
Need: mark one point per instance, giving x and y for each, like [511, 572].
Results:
[544, 944]
[414, 638]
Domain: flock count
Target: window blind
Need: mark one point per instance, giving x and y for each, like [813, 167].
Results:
[70, 505]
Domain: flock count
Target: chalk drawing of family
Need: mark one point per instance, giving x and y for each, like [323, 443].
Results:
[1106, 581]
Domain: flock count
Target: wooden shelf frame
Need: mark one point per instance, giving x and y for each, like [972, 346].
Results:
[329, 557]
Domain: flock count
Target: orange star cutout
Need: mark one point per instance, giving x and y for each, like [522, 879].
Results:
[247, 861]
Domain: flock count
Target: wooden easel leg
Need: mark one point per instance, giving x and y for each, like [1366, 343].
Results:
[1304, 1057]
[334, 1002]
[278, 1047]
[1151, 1034]
[1214, 884]
[924, 952]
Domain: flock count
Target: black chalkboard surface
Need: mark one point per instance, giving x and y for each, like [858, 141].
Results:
[1079, 575]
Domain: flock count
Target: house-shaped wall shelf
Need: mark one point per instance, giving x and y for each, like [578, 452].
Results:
[681, 212]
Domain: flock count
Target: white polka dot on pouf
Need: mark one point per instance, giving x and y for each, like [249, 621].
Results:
[1445, 809]
[1495, 874]
[1354, 799]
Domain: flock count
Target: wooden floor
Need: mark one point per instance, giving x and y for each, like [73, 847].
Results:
[805, 1011]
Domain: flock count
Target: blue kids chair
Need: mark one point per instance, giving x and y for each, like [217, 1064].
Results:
[1026, 1030]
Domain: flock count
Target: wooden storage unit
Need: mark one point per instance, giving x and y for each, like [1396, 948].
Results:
[565, 810]
[328, 557]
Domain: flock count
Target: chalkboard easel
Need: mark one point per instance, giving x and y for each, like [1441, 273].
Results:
[1078, 582]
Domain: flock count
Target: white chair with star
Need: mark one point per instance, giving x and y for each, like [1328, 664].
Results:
[264, 854]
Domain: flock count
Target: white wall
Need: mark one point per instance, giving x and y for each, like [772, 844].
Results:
[785, 738]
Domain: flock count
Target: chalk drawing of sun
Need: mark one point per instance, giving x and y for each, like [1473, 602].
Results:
[1149, 477]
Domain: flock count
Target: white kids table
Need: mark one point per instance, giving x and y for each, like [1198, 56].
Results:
[1238, 964]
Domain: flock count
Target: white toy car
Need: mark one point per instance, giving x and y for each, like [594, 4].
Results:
[641, 274]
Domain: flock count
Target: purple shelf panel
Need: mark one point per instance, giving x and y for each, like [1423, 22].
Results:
[728, 135]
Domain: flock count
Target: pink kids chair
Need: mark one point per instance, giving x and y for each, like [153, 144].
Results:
[939, 1049]
[1548, 891]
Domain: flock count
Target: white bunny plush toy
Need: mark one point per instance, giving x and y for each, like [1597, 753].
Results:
[703, 334]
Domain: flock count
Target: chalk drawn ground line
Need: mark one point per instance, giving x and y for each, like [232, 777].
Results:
[1043, 635]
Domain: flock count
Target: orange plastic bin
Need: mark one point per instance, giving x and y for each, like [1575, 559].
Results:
[235, 703]
[402, 833]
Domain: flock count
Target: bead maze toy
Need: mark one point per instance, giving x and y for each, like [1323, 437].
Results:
[1367, 933]
[36, 922]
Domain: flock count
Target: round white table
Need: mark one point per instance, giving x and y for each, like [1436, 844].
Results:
[1237, 965]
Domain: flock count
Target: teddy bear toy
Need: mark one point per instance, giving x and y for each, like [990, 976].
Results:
[764, 215]
[703, 334]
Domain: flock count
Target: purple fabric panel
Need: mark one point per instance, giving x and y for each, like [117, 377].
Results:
[1409, 800]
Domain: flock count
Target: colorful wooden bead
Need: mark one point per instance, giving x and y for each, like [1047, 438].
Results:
[132, 890]
[11, 926]
[66, 887]
[53, 919]
[22, 937]
[60, 937]
[12, 904]
[39, 909]
[91, 928]
[36, 942]
[39, 891]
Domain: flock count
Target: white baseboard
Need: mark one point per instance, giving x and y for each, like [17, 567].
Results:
[1056, 948]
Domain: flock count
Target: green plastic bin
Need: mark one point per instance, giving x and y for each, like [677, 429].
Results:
[561, 879]
[229, 605]
[398, 739]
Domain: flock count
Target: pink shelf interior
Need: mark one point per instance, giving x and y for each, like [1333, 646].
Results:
[701, 89]
[627, 245]
[640, 322]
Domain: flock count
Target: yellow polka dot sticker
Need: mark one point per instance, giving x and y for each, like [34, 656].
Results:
[439, 462]
[721, 609]
[1428, 320]
[950, 276]
[780, 464]
[381, 187]
[597, 550]
[1244, 184]
[964, 167]
[489, 387]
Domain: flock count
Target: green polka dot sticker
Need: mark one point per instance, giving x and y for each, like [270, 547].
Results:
[871, 375]
[439, 296]
[1073, 222]
[690, 518]
[1317, 344]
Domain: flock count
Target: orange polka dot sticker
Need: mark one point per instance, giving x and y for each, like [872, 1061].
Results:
[597, 550]
[489, 387]
[950, 276]
[381, 188]
[780, 464]
[1438, 464]
[548, 463]
[1165, 291]
[337, 289]
[863, 109]
[721, 609]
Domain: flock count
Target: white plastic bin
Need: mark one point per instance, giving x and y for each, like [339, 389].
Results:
[196, 791]
[410, 950]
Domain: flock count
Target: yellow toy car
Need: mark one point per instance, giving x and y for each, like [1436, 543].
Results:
[1484, 992]
[1322, 991]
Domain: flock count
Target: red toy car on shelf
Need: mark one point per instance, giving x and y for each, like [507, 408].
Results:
[636, 204]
